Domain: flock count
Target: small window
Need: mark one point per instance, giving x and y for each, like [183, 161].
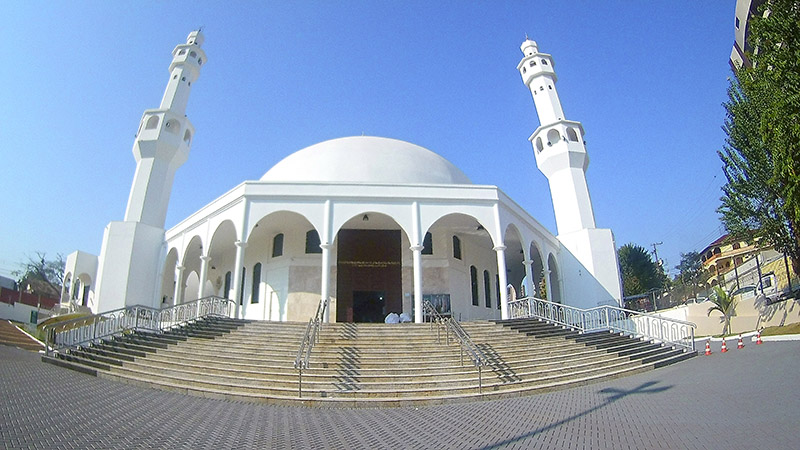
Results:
[539, 145]
[572, 135]
[473, 275]
[187, 137]
[199, 61]
[172, 126]
[736, 246]
[497, 288]
[193, 54]
[737, 23]
[152, 123]
[227, 292]
[524, 70]
[541, 88]
[550, 86]
[544, 62]
[256, 283]
[312, 242]
[277, 245]
[456, 247]
[427, 244]
[532, 63]
[182, 52]
[487, 288]
[241, 286]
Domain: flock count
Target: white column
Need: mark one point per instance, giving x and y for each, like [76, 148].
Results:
[416, 252]
[529, 282]
[237, 276]
[501, 272]
[325, 245]
[204, 260]
[178, 295]
[71, 288]
[326, 274]
[548, 285]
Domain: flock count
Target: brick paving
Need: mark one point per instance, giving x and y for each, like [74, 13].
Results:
[743, 399]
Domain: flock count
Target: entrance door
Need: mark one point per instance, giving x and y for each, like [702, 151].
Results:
[369, 306]
[368, 275]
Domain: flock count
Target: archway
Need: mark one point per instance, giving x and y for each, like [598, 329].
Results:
[555, 280]
[537, 273]
[369, 281]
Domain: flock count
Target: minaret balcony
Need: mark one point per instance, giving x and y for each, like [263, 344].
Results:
[191, 55]
[563, 130]
[169, 129]
[535, 65]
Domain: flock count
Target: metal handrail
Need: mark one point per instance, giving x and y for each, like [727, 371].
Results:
[88, 329]
[479, 359]
[310, 337]
[677, 333]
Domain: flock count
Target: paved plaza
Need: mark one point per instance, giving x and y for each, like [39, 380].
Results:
[742, 399]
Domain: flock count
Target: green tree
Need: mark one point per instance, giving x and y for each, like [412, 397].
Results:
[724, 303]
[690, 269]
[639, 273]
[761, 155]
[44, 276]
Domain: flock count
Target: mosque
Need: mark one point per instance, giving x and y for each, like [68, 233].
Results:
[376, 225]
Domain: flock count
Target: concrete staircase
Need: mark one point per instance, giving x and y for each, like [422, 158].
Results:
[365, 364]
[13, 336]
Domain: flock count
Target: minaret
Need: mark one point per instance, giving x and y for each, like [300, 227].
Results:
[558, 144]
[560, 153]
[131, 255]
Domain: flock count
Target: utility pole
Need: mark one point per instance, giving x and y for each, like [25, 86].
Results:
[655, 251]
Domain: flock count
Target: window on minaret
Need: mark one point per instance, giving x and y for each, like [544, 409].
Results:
[487, 289]
[456, 247]
[256, 283]
[473, 275]
[312, 242]
[277, 245]
[427, 244]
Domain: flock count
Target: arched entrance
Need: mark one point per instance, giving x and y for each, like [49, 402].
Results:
[369, 269]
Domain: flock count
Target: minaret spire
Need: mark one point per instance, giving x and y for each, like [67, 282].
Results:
[130, 258]
[558, 143]
[560, 153]
[165, 137]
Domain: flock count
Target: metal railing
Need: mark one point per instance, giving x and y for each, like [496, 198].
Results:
[674, 332]
[451, 326]
[88, 329]
[310, 337]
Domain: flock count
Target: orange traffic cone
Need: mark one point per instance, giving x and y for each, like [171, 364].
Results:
[758, 338]
[724, 347]
[708, 347]
[740, 344]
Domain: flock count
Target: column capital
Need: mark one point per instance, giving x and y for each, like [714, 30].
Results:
[325, 246]
[240, 244]
[205, 258]
[416, 248]
[180, 268]
[499, 248]
[527, 262]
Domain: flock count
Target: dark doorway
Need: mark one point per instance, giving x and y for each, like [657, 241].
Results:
[369, 306]
[368, 267]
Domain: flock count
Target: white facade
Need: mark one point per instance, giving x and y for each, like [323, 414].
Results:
[374, 224]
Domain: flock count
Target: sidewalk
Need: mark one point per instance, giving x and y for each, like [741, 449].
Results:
[741, 399]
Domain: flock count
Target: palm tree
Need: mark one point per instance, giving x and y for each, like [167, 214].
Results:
[724, 303]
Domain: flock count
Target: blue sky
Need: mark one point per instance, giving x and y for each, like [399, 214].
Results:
[646, 79]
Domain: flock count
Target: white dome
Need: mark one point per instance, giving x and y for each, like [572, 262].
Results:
[366, 159]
